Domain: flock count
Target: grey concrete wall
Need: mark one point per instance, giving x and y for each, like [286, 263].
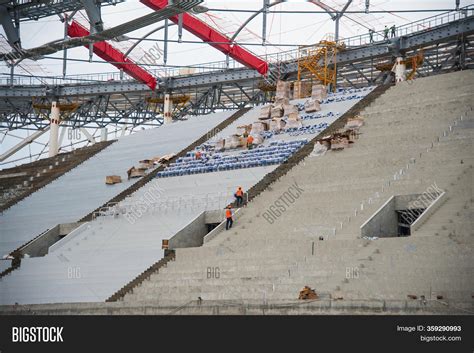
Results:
[191, 235]
[383, 223]
[402, 202]
[216, 216]
[40, 246]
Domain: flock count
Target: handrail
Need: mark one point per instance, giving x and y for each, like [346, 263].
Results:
[189, 201]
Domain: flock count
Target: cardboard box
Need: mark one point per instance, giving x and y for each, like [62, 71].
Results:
[137, 173]
[113, 179]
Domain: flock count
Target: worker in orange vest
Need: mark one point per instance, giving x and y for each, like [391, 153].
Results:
[239, 196]
[228, 216]
[250, 142]
[198, 155]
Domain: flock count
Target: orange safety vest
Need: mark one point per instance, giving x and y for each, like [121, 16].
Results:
[250, 139]
[228, 213]
[239, 192]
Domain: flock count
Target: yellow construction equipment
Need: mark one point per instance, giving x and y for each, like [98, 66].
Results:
[318, 61]
[44, 109]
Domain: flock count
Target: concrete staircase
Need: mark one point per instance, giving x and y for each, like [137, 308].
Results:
[405, 146]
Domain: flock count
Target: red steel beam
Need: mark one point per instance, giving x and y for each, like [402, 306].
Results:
[209, 34]
[107, 52]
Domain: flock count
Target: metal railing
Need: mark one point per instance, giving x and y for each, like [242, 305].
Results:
[187, 202]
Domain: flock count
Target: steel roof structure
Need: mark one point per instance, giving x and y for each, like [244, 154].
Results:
[115, 99]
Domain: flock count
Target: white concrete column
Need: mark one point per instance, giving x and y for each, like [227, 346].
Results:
[167, 109]
[54, 121]
[400, 70]
[103, 134]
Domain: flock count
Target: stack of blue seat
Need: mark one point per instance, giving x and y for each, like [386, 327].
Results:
[319, 115]
[277, 152]
[309, 129]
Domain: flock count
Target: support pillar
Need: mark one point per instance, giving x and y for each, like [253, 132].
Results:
[167, 109]
[103, 134]
[54, 121]
[400, 70]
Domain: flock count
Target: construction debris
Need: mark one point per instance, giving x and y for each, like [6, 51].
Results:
[307, 293]
[113, 179]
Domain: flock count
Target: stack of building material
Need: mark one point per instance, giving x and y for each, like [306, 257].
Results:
[301, 89]
[135, 172]
[318, 94]
[354, 123]
[277, 124]
[293, 121]
[283, 91]
[113, 179]
[145, 164]
[277, 111]
[258, 127]
[311, 106]
[339, 143]
[265, 112]
[307, 293]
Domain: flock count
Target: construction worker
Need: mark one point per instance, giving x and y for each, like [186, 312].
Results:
[198, 155]
[385, 33]
[228, 216]
[239, 196]
[393, 32]
[371, 35]
[250, 142]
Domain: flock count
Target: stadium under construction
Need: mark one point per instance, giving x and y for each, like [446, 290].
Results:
[327, 176]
